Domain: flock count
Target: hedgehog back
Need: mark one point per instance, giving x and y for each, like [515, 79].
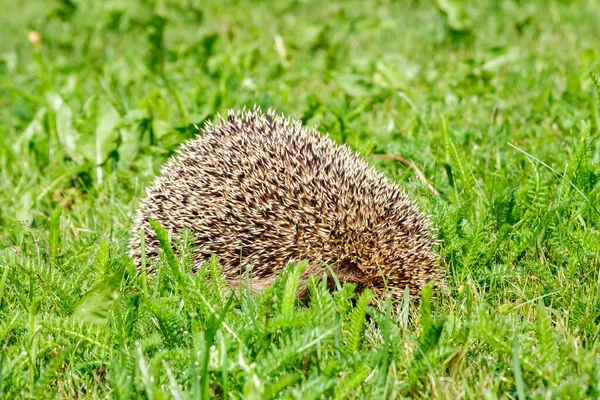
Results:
[260, 191]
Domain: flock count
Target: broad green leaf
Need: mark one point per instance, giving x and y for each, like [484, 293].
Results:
[67, 134]
[25, 205]
[35, 127]
[161, 128]
[130, 137]
[95, 305]
[455, 11]
[395, 73]
[353, 85]
[97, 144]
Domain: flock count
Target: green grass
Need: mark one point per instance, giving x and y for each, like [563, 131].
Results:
[494, 101]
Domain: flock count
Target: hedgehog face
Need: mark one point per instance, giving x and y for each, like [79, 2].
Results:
[389, 256]
[375, 278]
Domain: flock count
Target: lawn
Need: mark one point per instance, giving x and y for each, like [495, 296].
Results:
[496, 102]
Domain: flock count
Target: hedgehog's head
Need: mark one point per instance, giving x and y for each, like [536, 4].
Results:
[391, 275]
[388, 251]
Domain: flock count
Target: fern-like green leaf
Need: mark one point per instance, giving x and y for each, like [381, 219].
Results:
[321, 300]
[165, 244]
[102, 255]
[543, 329]
[120, 371]
[357, 321]
[45, 379]
[351, 381]
[466, 174]
[171, 324]
[278, 384]
[290, 291]
[518, 373]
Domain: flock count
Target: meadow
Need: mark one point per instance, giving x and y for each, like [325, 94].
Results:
[496, 102]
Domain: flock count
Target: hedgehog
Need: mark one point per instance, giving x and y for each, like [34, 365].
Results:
[260, 191]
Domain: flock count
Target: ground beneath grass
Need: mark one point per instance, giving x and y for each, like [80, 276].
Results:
[496, 102]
